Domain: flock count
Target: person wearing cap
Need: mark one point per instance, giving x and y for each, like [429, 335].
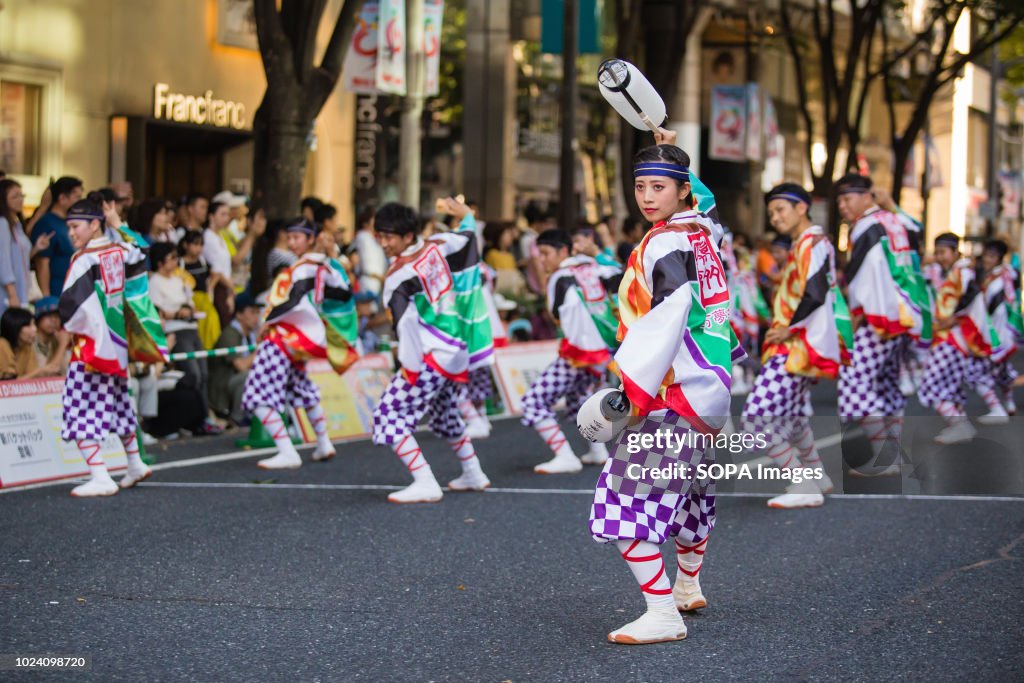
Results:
[228, 373]
[312, 315]
[996, 373]
[802, 346]
[890, 312]
[433, 293]
[579, 299]
[962, 333]
[241, 233]
[106, 289]
[52, 341]
[675, 363]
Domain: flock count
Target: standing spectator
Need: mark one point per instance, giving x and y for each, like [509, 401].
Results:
[176, 229]
[16, 250]
[309, 205]
[152, 221]
[326, 216]
[17, 352]
[217, 255]
[632, 233]
[235, 235]
[52, 342]
[499, 236]
[227, 374]
[269, 254]
[527, 253]
[369, 260]
[173, 300]
[125, 199]
[196, 209]
[586, 241]
[190, 249]
[241, 250]
[53, 261]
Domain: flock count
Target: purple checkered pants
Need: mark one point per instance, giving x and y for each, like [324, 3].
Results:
[403, 405]
[631, 505]
[479, 388]
[985, 373]
[275, 382]
[558, 379]
[779, 405]
[870, 385]
[95, 405]
[944, 376]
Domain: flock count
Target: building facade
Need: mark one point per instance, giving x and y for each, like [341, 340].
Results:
[161, 94]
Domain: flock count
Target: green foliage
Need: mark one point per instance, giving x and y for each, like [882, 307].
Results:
[1011, 52]
[446, 108]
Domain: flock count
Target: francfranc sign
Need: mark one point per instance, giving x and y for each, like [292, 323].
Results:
[201, 109]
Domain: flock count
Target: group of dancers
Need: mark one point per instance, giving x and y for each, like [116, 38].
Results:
[665, 325]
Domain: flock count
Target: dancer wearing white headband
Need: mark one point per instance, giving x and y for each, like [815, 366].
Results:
[579, 299]
[312, 315]
[106, 306]
[675, 363]
[996, 374]
[433, 293]
[963, 334]
[889, 308]
[803, 345]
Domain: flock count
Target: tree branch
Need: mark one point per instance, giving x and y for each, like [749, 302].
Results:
[334, 56]
[801, 81]
[274, 46]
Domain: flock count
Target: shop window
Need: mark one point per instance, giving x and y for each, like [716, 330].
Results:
[20, 127]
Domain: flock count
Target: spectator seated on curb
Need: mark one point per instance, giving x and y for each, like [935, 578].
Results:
[228, 373]
[52, 344]
[17, 347]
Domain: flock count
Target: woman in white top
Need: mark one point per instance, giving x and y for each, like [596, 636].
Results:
[16, 251]
[217, 254]
[173, 299]
[367, 256]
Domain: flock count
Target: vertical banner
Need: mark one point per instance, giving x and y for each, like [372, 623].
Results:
[771, 129]
[391, 47]
[1009, 190]
[360, 68]
[753, 122]
[433, 19]
[728, 123]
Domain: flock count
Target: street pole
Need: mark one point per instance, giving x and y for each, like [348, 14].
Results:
[411, 148]
[993, 167]
[925, 180]
[567, 160]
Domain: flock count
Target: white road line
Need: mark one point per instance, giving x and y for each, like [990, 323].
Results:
[822, 443]
[587, 492]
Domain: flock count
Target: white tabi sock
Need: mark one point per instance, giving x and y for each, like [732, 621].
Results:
[648, 567]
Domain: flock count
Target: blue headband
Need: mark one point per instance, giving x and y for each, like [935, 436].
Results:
[787, 195]
[85, 215]
[656, 168]
[850, 189]
[303, 227]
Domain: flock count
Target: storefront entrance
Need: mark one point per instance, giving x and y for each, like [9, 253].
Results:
[171, 160]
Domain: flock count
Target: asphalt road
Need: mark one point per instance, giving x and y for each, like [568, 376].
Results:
[220, 572]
